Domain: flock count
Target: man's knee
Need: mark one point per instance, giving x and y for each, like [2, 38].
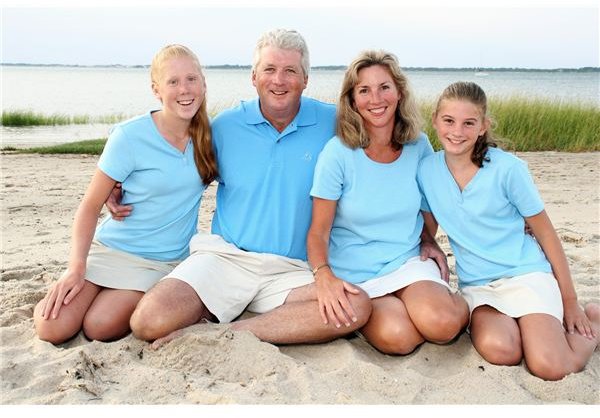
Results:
[170, 305]
[361, 303]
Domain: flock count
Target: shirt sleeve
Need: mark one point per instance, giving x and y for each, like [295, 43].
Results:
[328, 178]
[117, 160]
[522, 192]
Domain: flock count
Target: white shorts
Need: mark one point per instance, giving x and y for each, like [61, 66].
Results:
[229, 280]
[414, 270]
[116, 269]
[517, 296]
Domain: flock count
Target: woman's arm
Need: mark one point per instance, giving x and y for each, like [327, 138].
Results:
[430, 247]
[331, 291]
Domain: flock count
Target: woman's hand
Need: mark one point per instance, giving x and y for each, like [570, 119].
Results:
[334, 304]
[432, 250]
[62, 292]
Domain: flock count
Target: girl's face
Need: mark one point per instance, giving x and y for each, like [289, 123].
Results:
[180, 87]
[458, 124]
[376, 97]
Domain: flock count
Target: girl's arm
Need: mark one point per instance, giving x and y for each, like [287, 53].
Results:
[545, 234]
[331, 291]
[84, 226]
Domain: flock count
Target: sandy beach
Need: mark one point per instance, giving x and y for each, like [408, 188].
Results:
[216, 366]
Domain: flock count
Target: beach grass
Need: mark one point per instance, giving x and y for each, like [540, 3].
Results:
[20, 118]
[91, 147]
[522, 124]
[519, 124]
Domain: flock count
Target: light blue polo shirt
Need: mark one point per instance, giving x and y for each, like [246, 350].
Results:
[163, 185]
[378, 222]
[263, 200]
[485, 222]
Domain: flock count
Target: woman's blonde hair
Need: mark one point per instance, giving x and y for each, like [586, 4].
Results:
[350, 126]
[206, 163]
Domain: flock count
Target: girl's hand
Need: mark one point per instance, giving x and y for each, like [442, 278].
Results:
[575, 319]
[334, 304]
[62, 292]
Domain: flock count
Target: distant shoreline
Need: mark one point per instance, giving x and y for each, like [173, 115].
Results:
[328, 67]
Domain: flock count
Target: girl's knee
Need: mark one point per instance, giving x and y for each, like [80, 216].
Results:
[547, 367]
[54, 331]
[500, 350]
[550, 364]
[104, 327]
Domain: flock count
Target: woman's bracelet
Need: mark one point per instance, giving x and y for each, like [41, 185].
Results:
[316, 269]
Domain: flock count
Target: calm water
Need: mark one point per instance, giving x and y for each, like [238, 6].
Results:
[110, 91]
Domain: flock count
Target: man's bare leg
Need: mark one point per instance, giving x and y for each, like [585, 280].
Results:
[169, 306]
[298, 320]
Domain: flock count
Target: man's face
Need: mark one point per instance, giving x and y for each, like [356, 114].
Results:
[279, 81]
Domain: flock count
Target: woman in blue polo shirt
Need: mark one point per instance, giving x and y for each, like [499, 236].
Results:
[367, 228]
[164, 160]
[518, 287]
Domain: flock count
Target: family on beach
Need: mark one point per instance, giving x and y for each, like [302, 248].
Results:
[325, 221]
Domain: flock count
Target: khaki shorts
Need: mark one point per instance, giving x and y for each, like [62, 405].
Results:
[518, 296]
[229, 280]
[414, 270]
[116, 269]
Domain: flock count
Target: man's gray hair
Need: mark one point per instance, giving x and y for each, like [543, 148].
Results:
[283, 39]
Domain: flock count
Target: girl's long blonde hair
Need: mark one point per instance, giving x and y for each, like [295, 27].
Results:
[206, 163]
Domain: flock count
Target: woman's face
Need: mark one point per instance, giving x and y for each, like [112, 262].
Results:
[376, 97]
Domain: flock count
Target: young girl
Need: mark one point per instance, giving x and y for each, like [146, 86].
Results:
[367, 229]
[519, 288]
[164, 161]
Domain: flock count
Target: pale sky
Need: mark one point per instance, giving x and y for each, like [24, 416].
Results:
[524, 34]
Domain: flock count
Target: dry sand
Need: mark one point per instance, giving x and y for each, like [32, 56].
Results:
[215, 366]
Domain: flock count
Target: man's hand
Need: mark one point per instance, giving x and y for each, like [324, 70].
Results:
[113, 204]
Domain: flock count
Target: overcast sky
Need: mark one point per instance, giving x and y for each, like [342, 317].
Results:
[554, 34]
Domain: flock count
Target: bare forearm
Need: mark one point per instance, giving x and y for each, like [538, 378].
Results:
[84, 227]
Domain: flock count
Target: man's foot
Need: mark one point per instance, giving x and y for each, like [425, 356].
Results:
[159, 342]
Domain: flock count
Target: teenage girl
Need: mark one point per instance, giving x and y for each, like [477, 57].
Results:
[518, 286]
[164, 161]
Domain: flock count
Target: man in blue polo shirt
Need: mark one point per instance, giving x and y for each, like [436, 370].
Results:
[255, 258]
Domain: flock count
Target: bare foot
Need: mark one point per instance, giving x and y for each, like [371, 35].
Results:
[592, 310]
[159, 342]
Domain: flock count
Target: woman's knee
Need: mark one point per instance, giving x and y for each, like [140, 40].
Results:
[393, 337]
[441, 324]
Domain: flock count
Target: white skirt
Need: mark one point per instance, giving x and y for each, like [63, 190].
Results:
[517, 296]
[414, 270]
[116, 269]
